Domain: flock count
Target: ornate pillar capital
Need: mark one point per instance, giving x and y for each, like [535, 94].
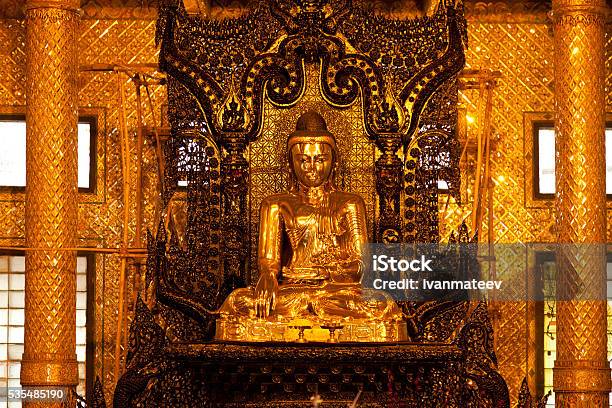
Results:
[71, 5]
[575, 11]
[560, 4]
[583, 375]
[50, 370]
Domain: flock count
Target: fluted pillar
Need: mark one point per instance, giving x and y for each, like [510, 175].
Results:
[581, 373]
[49, 357]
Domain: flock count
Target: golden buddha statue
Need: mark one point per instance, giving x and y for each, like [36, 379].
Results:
[310, 258]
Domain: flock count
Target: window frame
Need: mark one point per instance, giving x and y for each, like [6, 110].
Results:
[5, 117]
[536, 126]
[542, 256]
[90, 119]
[90, 325]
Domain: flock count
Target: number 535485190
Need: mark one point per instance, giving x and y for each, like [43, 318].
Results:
[32, 394]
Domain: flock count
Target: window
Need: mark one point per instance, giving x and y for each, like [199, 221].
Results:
[13, 152]
[191, 153]
[547, 326]
[12, 299]
[544, 160]
[436, 163]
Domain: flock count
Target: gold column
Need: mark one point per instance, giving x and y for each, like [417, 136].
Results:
[49, 357]
[581, 373]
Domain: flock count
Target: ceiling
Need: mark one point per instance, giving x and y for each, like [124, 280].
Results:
[497, 10]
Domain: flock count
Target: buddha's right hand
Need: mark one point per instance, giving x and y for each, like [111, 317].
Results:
[265, 295]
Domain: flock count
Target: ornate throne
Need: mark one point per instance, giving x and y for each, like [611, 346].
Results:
[388, 90]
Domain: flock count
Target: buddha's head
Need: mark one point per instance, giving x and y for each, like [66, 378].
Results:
[312, 151]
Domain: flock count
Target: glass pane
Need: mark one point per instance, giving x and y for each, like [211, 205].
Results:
[81, 264]
[81, 300]
[17, 281]
[81, 283]
[15, 351]
[81, 336]
[12, 319]
[13, 370]
[84, 134]
[16, 299]
[81, 318]
[80, 352]
[17, 264]
[15, 335]
[609, 161]
[4, 263]
[16, 317]
[13, 153]
[546, 160]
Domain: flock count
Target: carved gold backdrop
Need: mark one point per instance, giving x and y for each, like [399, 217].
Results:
[517, 44]
[268, 155]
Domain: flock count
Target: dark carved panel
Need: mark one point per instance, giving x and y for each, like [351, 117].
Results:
[397, 65]
[403, 72]
[526, 400]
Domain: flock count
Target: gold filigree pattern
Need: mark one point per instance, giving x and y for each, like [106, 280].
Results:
[51, 210]
[523, 54]
[94, 9]
[122, 42]
[104, 41]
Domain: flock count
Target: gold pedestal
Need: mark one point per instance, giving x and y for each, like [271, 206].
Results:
[257, 330]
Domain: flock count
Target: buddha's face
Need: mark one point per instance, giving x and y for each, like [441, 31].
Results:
[312, 163]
